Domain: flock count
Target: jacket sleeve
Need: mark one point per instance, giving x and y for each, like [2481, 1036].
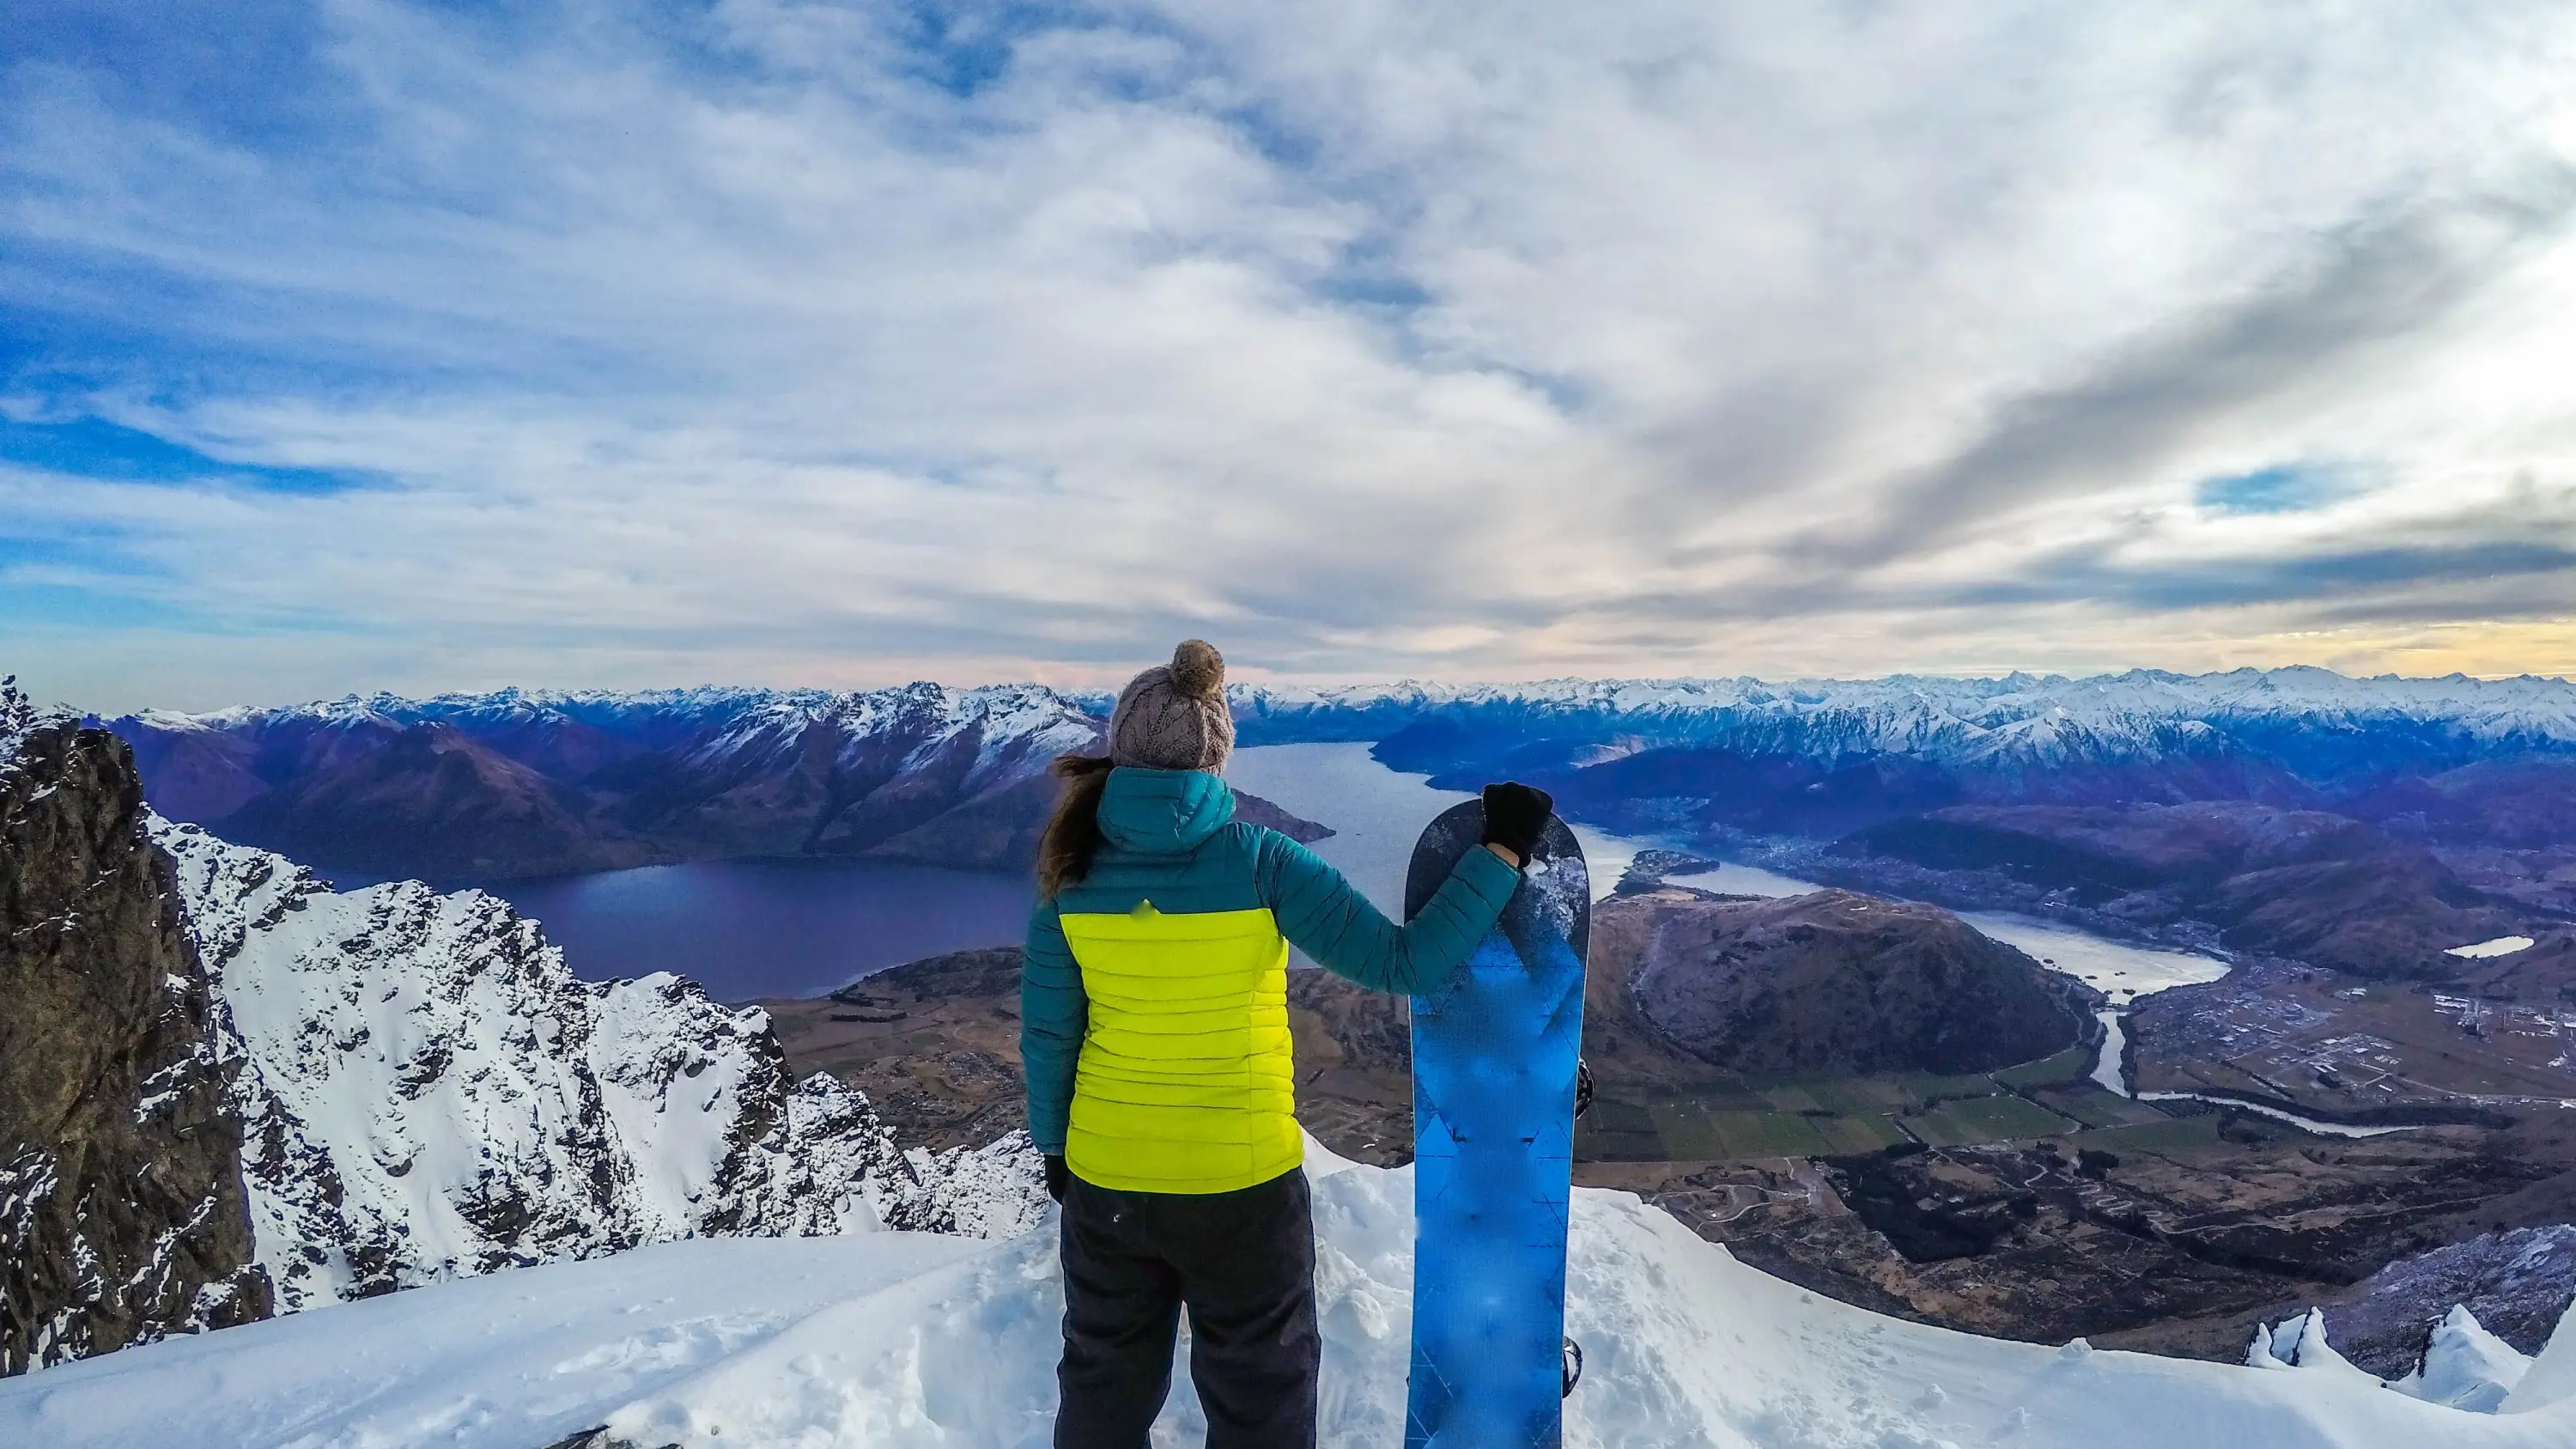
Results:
[1053, 1013]
[1320, 913]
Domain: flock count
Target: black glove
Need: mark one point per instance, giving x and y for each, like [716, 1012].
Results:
[1515, 817]
[1058, 1177]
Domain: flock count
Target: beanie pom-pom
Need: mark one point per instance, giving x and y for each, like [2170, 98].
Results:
[1198, 670]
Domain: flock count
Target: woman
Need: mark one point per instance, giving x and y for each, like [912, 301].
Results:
[1154, 1027]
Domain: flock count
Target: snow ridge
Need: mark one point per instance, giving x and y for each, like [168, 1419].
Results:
[2016, 720]
[719, 724]
[1011, 730]
[429, 1093]
[2041, 720]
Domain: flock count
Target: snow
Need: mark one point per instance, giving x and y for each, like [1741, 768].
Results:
[21, 717]
[2550, 1383]
[2465, 1366]
[898, 1339]
[2018, 719]
[2500, 946]
[2142, 714]
[427, 1092]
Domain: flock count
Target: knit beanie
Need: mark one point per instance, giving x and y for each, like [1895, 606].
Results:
[1173, 717]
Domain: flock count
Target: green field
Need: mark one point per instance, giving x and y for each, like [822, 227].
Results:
[2186, 1135]
[2070, 1065]
[1689, 1132]
[2095, 1107]
[1927, 1087]
[1860, 1096]
[1851, 1135]
[1840, 1116]
[1985, 1119]
[1793, 1099]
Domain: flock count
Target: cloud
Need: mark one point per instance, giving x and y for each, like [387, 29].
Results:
[821, 343]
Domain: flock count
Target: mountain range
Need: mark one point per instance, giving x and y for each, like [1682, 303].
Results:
[576, 779]
[2367, 824]
[515, 784]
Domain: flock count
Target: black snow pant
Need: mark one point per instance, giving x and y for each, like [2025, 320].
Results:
[1244, 1263]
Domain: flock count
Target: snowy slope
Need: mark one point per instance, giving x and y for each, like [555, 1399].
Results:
[428, 1092]
[901, 1340]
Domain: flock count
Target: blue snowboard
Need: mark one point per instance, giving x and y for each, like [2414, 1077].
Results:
[1494, 1064]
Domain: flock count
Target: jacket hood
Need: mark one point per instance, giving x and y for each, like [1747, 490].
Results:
[1163, 812]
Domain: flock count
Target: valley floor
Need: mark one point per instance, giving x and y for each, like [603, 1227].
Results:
[901, 1340]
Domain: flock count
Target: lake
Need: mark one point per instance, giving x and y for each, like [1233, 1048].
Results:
[1377, 814]
[745, 929]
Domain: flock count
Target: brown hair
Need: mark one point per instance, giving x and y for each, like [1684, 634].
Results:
[1073, 832]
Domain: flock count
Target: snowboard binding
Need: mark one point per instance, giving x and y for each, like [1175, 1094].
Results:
[1573, 1368]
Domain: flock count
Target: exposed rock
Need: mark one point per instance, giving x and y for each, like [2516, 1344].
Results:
[2516, 1284]
[122, 1212]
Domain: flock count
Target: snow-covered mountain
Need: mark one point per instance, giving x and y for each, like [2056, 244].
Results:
[528, 783]
[897, 1340]
[2041, 720]
[427, 1092]
[519, 782]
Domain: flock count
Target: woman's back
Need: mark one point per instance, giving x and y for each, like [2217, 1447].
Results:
[1162, 976]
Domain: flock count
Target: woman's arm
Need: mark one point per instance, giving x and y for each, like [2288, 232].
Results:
[1053, 1014]
[1322, 915]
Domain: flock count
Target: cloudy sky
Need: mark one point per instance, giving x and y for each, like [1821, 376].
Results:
[381, 343]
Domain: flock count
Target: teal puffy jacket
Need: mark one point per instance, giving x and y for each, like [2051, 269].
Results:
[1153, 1000]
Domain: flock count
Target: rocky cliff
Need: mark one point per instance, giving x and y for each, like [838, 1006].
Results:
[122, 1210]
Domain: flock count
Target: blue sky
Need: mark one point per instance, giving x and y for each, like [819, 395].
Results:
[384, 344]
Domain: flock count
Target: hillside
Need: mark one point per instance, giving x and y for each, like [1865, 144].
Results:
[1830, 984]
[2311, 885]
